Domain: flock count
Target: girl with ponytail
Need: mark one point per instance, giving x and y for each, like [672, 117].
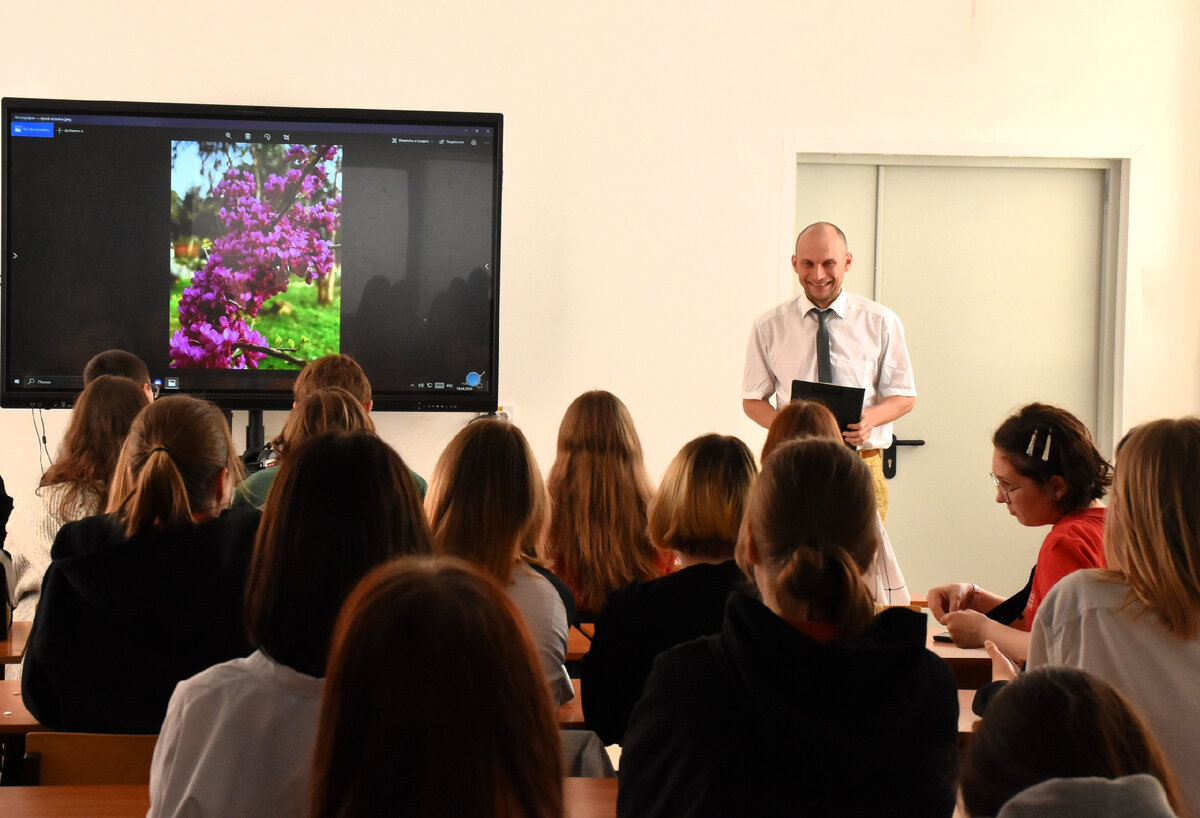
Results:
[807, 702]
[148, 594]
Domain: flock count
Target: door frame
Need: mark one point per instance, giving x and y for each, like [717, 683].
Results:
[1110, 379]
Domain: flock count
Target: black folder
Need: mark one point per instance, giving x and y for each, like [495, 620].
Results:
[846, 402]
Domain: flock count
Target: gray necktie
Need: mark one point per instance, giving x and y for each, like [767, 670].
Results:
[824, 364]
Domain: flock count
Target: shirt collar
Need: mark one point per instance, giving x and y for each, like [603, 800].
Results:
[838, 305]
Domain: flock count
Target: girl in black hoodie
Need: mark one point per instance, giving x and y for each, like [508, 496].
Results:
[148, 594]
[807, 702]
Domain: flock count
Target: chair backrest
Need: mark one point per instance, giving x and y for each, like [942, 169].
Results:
[87, 758]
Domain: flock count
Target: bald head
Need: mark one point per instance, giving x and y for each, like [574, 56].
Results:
[825, 228]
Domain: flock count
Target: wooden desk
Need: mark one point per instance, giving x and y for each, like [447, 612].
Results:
[108, 801]
[570, 715]
[12, 649]
[15, 720]
[583, 798]
[972, 666]
[578, 644]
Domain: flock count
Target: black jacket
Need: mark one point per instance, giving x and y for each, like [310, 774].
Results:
[122, 620]
[763, 720]
[639, 622]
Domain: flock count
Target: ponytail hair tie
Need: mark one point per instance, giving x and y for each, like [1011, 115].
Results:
[162, 449]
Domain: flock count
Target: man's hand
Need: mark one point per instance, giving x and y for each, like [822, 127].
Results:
[859, 433]
[887, 410]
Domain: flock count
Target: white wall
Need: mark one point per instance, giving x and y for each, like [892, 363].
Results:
[644, 157]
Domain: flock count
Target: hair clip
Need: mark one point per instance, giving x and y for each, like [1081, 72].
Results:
[1029, 448]
[1046, 451]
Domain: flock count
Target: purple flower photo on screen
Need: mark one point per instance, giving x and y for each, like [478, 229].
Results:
[250, 221]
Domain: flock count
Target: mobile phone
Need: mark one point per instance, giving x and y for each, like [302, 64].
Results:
[943, 636]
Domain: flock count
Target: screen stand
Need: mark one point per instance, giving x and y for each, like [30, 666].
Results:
[255, 439]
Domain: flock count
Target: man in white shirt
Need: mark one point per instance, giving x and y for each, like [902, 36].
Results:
[866, 348]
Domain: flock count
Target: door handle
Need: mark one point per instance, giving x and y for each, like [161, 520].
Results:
[889, 455]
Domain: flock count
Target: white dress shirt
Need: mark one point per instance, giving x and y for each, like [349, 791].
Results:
[866, 348]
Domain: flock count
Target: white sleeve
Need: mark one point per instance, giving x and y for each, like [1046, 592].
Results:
[895, 367]
[1047, 641]
[31, 532]
[758, 381]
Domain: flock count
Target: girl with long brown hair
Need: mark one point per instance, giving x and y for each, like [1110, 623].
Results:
[599, 494]
[487, 505]
[76, 484]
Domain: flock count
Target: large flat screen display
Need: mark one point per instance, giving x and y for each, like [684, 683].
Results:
[229, 245]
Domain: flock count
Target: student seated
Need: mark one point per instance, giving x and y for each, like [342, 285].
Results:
[1137, 625]
[806, 703]
[802, 418]
[1046, 471]
[696, 513]
[74, 486]
[326, 372]
[487, 505]
[331, 409]
[1059, 742]
[434, 702]
[148, 594]
[237, 739]
[599, 493]
[120, 364]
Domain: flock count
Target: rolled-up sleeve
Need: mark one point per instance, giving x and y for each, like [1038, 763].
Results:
[758, 381]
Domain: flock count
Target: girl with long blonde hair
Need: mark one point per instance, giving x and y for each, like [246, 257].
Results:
[1137, 624]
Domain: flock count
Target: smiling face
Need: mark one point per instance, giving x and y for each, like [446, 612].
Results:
[821, 262]
[1030, 501]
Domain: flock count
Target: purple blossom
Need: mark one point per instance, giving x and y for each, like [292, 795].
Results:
[252, 261]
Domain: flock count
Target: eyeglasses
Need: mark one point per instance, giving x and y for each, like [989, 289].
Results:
[1005, 490]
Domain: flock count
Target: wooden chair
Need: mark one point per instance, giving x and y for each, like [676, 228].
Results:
[87, 758]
